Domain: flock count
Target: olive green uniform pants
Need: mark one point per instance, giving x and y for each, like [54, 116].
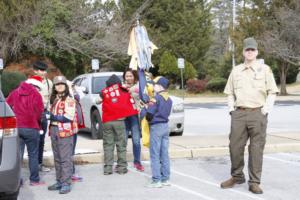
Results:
[114, 135]
[247, 124]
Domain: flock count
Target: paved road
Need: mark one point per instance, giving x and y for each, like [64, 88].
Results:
[213, 118]
[191, 179]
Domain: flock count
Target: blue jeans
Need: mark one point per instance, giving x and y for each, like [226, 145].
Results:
[132, 124]
[159, 154]
[31, 137]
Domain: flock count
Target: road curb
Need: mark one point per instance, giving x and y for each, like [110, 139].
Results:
[98, 157]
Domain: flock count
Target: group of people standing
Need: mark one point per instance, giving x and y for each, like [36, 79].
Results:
[43, 107]
[121, 107]
[251, 91]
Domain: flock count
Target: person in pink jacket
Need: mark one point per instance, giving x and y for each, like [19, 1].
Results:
[28, 107]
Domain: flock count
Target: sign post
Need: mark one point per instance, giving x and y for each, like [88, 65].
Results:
[180, 63]
[95, 65]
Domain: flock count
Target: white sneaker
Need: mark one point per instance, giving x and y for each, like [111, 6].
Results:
[166, 183]
[154, 184]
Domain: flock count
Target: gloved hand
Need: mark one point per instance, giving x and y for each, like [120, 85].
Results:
[149, 117]
[48, 115]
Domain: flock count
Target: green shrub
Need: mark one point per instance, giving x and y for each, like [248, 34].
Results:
[216, 84]
[10, 81]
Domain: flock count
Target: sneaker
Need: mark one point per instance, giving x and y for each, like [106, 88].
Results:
[154, 184]
[166, 183]
[76, 178]
[65, 188]
[56, 186]
[39, 183]
[42, 168]
[139, 167]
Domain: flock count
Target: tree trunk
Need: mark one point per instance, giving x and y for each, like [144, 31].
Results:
[283, 73]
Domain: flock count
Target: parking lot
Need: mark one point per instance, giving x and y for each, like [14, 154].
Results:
[190, 178]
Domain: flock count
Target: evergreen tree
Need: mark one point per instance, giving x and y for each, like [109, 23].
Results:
[182, 27]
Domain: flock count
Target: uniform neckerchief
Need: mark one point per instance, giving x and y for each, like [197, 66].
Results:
[164, 94]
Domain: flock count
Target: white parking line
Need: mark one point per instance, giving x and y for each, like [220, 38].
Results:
[214, 184]
[177, 186]
[290, 155]
[282, 160]
[210, 183]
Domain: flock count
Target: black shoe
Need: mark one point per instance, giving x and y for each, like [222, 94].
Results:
[123, 171]
[56, 186]
[107, 173]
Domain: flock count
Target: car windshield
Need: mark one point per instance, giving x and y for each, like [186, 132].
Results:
[98, 83]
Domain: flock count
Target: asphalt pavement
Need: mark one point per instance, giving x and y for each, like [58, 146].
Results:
[199, 161]
[197, 178]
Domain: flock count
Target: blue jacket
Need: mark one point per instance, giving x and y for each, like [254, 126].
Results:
[159, 110]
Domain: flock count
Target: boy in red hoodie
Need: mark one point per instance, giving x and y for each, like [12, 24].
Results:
[27, 105]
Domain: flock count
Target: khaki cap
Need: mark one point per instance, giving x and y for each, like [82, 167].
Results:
[59, 79]
[250, 43]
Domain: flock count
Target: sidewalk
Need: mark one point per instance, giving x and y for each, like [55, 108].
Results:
[91, 151]
[293, 95]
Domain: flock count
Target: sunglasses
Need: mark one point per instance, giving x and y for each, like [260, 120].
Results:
[250, 50]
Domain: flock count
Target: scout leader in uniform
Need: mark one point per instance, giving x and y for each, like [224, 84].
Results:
[63, 125]
[251, 91]
[117, 104]
[40, 69]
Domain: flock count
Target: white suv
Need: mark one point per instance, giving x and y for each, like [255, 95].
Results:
[91, 85]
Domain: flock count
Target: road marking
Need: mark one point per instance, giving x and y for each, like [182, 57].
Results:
[282, 160]
[290, 155]
[176, 186]
[214, 184]
[210, 183]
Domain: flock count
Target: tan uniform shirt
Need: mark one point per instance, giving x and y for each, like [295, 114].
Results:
[46, 93]
[250, 84]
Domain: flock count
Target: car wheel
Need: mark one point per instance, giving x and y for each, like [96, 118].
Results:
[10, 196]
[177, 133]
[97, 126]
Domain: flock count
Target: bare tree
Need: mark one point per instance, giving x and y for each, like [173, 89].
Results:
[282, 39]
[60, 27]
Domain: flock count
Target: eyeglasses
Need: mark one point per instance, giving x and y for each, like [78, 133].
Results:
[250, 50]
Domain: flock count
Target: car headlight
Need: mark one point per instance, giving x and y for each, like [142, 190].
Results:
[178, 108]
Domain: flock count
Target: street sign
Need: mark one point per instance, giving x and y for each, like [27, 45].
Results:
[1, 64]
[95, 64]
[180, 63]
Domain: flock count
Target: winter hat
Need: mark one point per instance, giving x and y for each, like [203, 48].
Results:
[36, 81]
[59, 79]
[113, 79]
[162, 81]
[40, 65]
